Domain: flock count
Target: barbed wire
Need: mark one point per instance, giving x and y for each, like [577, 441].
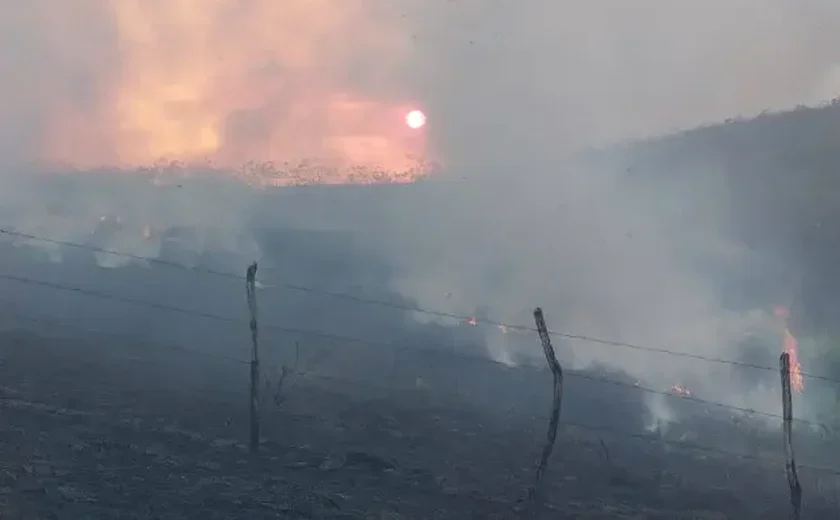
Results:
[134, 342]
[391, 345]
[697, 446]
[686, 445]
[413, 308]
[140, 258]
[646, 437]
[473, 320]
[217, 317]
[49, 320]
[599, 428]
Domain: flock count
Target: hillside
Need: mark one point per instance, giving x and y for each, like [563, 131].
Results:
[781, 175]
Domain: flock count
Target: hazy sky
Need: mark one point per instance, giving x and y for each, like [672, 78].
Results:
[92, 82]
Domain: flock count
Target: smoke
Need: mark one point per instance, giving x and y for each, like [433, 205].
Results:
[577, 74]
[639, 256]
[126, 83]
[511, 90]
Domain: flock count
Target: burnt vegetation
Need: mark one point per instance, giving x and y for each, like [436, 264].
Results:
[119, 409]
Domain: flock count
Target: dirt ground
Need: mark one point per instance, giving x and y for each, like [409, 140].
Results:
[94, 430]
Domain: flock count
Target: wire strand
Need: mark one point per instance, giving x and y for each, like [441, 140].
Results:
[49, 320]
[355, 382]
[418, 309]
[590, 427]
[217, 317]
[405, 347]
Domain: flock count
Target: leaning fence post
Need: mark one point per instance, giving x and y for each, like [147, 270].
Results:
[534, 495]
[787, 427]
[251, 293]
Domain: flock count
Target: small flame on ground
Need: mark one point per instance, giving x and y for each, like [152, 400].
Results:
[789, 345]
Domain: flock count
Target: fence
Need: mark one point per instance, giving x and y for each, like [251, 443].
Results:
[291, 371]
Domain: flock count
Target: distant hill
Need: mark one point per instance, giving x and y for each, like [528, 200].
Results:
[782, 174]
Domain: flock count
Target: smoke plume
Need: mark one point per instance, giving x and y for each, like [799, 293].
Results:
[511, 90]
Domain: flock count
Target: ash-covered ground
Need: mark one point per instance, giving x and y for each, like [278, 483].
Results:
[100, 427]
[105, 418]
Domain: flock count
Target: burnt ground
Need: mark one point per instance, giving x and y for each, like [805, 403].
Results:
[91, 429]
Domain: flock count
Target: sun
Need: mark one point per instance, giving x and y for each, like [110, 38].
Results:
[415, 119]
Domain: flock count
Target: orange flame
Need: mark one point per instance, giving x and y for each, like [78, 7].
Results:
[225, 83]
[789, 345]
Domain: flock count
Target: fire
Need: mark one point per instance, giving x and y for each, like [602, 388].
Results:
[227, 83]
[789, 345]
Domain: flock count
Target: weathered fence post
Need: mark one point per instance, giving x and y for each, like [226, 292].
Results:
[534, 494]
[251, 293]
[787, 427]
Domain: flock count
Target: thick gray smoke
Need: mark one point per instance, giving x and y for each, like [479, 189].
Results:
[644, 257]
[513, 91]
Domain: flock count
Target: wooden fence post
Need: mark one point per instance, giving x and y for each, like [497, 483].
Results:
[534, 494]
[251, 293]
[787, 427]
